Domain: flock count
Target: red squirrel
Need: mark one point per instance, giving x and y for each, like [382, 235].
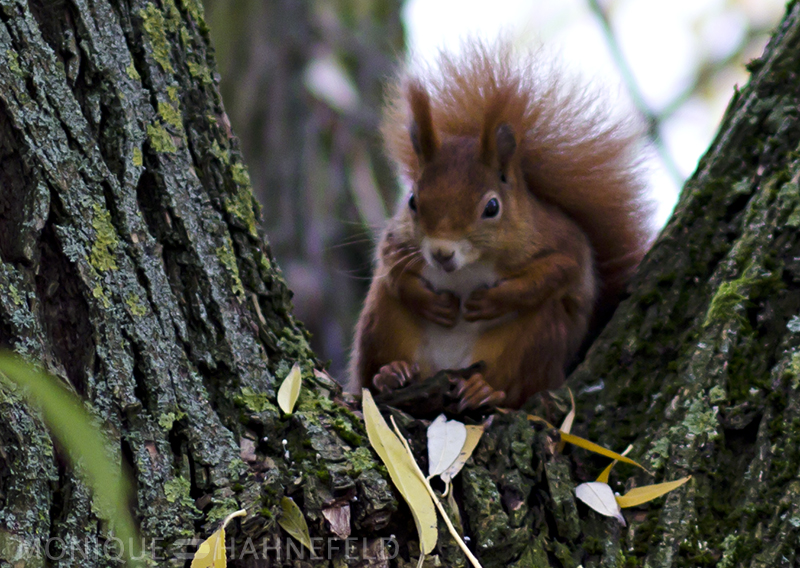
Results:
[525, 218]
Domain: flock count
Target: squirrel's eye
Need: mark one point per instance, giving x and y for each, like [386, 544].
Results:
[412, 203]
[492, 208]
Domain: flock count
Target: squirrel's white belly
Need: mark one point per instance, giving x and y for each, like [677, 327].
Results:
[451, 348]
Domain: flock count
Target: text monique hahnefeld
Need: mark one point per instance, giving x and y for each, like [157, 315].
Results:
[276, 549]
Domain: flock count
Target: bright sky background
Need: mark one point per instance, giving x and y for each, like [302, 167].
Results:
[663, 42]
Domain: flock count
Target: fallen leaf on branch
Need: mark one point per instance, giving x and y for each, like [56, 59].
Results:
[445, 440]
[639, 495]
[597, 494]
[534, 418]
[603, 477]
[474, 434]
[566, 426]
[600, 497]
[211, 552]
[435, 499]
[294, 523]
[596, 448]
[290, 389]
[403, 471]
[586, 444]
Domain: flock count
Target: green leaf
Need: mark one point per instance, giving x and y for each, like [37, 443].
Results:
[74, 428]
[294, 523]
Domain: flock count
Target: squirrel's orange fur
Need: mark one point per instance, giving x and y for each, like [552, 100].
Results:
[522, 279]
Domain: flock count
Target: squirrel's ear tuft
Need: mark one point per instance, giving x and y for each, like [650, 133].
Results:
[498, 142]
[506, 144]
[423, 136]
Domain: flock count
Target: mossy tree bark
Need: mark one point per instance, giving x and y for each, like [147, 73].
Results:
[700, 367]
[132, 267]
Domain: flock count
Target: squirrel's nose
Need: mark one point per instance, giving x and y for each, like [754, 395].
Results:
[445, 260]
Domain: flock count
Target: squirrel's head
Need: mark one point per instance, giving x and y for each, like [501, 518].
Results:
[469, 199]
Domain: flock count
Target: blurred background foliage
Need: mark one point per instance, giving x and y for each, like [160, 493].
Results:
[302, 83]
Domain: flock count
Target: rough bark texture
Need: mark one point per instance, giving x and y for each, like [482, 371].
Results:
[131, 262]
[133, 268]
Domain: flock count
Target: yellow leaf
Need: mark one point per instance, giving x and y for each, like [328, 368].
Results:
[453, 532]
[603, 478]
[474, 434]
[639, 495]
[405, 475]
[592, 447]
[586, 444]
[290, 390]
[294, 523]
[211, 552]
[566, 426]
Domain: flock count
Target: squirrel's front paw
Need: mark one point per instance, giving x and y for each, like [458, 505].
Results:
[443, 309]
[475, 392]
[394, 376]
[481, 305]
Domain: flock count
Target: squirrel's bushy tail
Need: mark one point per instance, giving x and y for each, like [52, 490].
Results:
[574, 153]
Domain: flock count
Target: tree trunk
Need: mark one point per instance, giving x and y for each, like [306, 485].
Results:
[700, 368]
[133, 268]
